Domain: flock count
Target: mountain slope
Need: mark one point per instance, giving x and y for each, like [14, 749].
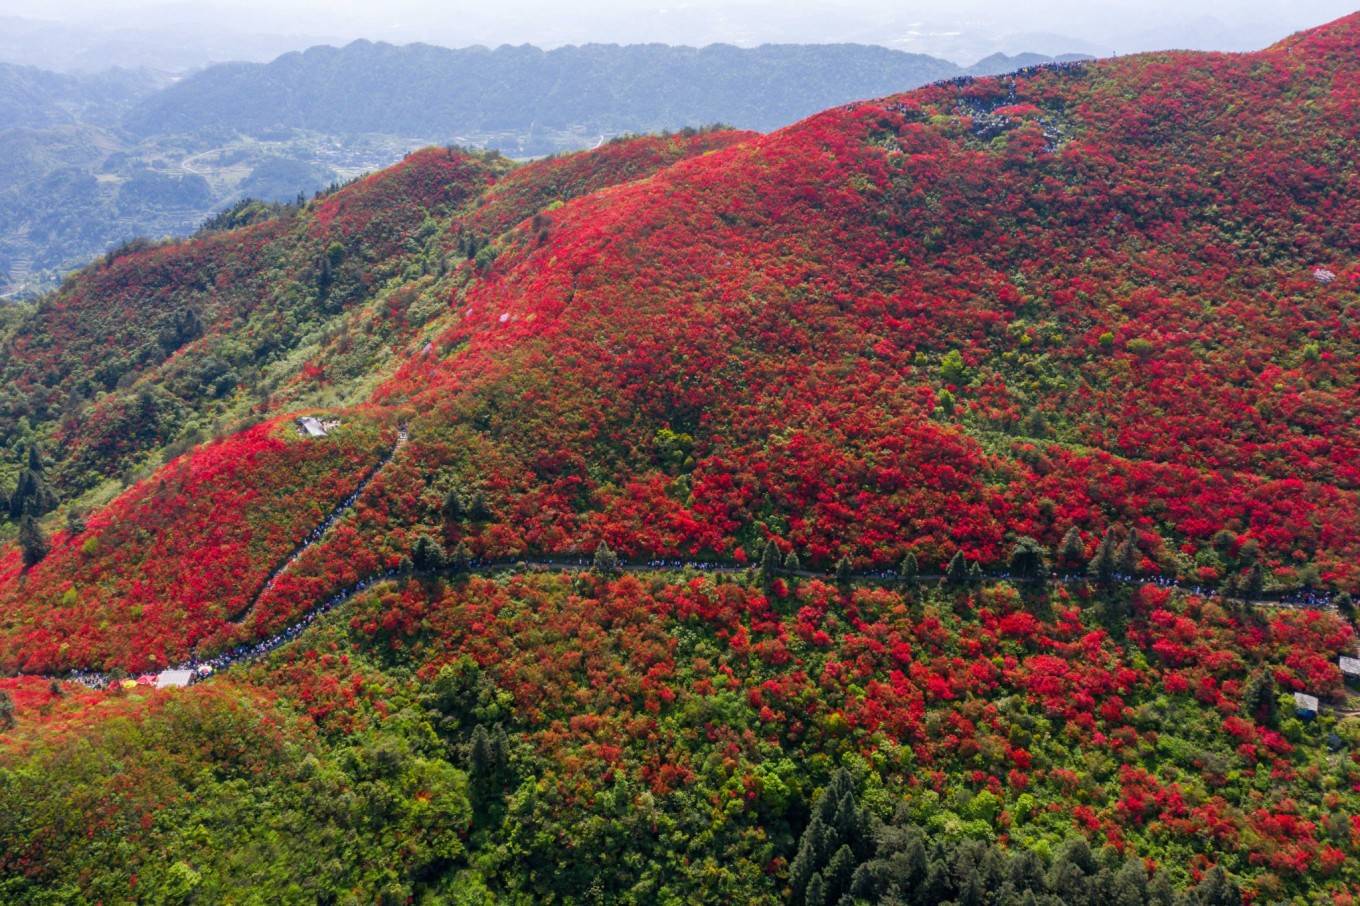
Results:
[1100, 311]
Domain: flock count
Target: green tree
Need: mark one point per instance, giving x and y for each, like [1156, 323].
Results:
[7, 719]
[1029, 560]
[1217, 889]
[769, 563]
[957, 573]
[909, 570]
[1104, 565]
[460, 561]
[31, 495]
[427, 555]
[32, 541]
[791, 563]
[1259, 697]
[1072, 551]
[606, 561]
[1127, 556]
[844, 574]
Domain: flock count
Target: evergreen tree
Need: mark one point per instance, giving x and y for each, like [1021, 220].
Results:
[1345, 606]
[1104, 565]
[1029, 560]
[32, 541]
[427, 555]
[957, 573]
[75, 522]
[7, 719]
[975, 576]
[1127, 556]
[1259, 697]
[481, 759]
[1128, 886]
[909, 570]
[1217, 889]
[816, 894]
[325, 276]
[478, 509]
[791, 563]
[31, 495]
[769, 563]
[454, 508]
[1072, 551]
[606, 561]
[838, 873]
[461, 559]
[844, 574]
[1254, 583]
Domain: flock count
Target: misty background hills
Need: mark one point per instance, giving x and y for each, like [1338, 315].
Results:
[91, 160]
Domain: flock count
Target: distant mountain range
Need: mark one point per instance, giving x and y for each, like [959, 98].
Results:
[436, 92]
[89, 161]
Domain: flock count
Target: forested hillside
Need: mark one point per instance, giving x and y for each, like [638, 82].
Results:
[939, 500]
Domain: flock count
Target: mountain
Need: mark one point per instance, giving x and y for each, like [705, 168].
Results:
[35, 98]
[437, 92]
[940, 499]
[122, 155]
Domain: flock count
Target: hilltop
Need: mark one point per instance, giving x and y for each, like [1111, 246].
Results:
[991, 383]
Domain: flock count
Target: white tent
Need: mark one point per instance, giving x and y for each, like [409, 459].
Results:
[167, 678]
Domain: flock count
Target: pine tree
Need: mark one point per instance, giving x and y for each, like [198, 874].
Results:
[791, 563]
[838, 873]
[1127, 556]
[1254, 583]
[1029, 560]
[909, 570]
[31, 495]
[454, 508]
[478, 509]
[957, 573]
[461, 559]
[1104, 565]
[1072, 551]
[1259, 697]
[844, 574]
[606, 561]
[816, 894]
[7, 720]
[1217, 889]
[32, 541]
[1345, 605]
[481, 759]
[975, 576]
[427, 555]
[769, 563]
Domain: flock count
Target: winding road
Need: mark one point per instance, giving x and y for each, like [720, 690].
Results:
[201, 668]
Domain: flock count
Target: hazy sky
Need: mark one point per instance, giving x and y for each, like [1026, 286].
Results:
[959, 29]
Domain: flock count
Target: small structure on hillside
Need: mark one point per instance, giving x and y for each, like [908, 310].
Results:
[1305, 705]
[1350, 668]
[168, 678]
[1323, 275]
[311, 426]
